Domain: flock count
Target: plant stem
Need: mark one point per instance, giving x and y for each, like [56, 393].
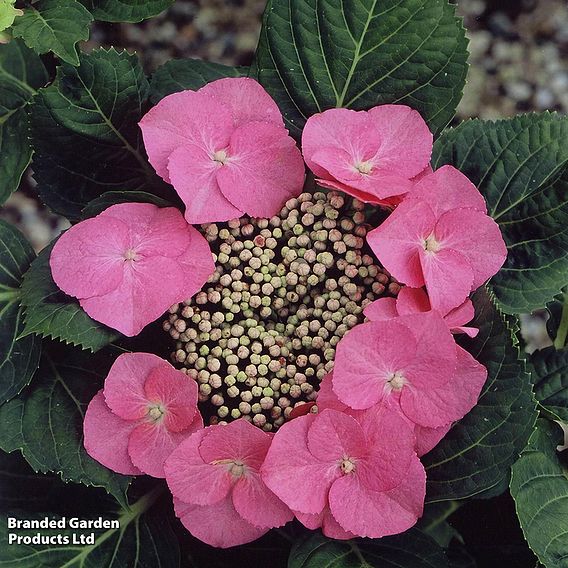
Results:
[562, 332]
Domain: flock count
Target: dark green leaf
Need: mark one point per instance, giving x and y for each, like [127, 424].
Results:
[516, 164]
[412, 549]
[434, 522]
[54, 25]
[550, 377]
[554, 309]
[51, 313]
[99, 204]
[144, 540]
[92, 111]
[21, 73]
[126, 10]
[476, 455]
[46, 421]
[182, 74]
[318, 54]
[19, 357]
[539, 486]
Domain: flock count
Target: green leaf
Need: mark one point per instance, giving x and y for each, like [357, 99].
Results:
[435, 524]
[517, 165]
[52, 314]
[182, 74]
[144, 539]
[8, 14]
[99, 204]
[412, 549]
[539, 486]
[318, 54]
[54, 25]
[550, 377]
[45, 421]
[21, 73]
[92, 113]
[476, 455]
[126, 10]
[19, 357]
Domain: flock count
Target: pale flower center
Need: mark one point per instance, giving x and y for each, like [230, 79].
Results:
[235, 467]
[431, 244]
[396, 381]
[130, 254]
[364, 167]
[156, 412]
[220, 156]
[347, 465]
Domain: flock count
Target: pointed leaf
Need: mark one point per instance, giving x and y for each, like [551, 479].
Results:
[318, 54]
[518, 165]
[550, 377]
[126, 10]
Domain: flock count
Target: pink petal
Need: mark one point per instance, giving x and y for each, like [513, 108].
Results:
[428, 438]
[439, 406]
[106, 437]
[151, 444]
[239, 440]
[193, 174]
[448, 276]
[124, 385]
[87, 259]
[375, 514]
[458, 317]
[330, 527]
[334, 128]
[381, 309]
[477, 237]
[291, 471]
[365, 359]
[446, 189]
[184, 118]
[217, 525]
[412, 301]
[390, 445]
[176, 392]
[264, 169]
[191, 479]
[398, 241]
[149, 287]
[334, 436]
[257, 504]
[246, 99]
[406, 141]
[327, 397]
[434, 362]
[387, 202]
[196, 262]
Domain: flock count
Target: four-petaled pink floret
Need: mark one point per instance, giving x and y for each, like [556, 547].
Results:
[144, 411]
[225, 150]
[219, 495]
[353, 475]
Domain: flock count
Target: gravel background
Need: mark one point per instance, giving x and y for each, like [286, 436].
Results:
[519, 62]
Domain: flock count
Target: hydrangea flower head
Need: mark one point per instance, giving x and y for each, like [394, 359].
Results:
[214, 476]
[415, 300]
[372, 155]
[441, 237]
[144, 411]
[340, 465]
[128, 264]
[225, 150]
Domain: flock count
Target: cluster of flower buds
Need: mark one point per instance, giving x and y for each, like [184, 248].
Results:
[263, 331]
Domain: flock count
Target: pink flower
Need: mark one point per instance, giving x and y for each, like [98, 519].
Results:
[144, 411]
[215, 480]
[356, 475]
[426, 438]
[441, 237]
[225, 150]
[415, 300]
[410, 364]
[372, 155]
[129, 264]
